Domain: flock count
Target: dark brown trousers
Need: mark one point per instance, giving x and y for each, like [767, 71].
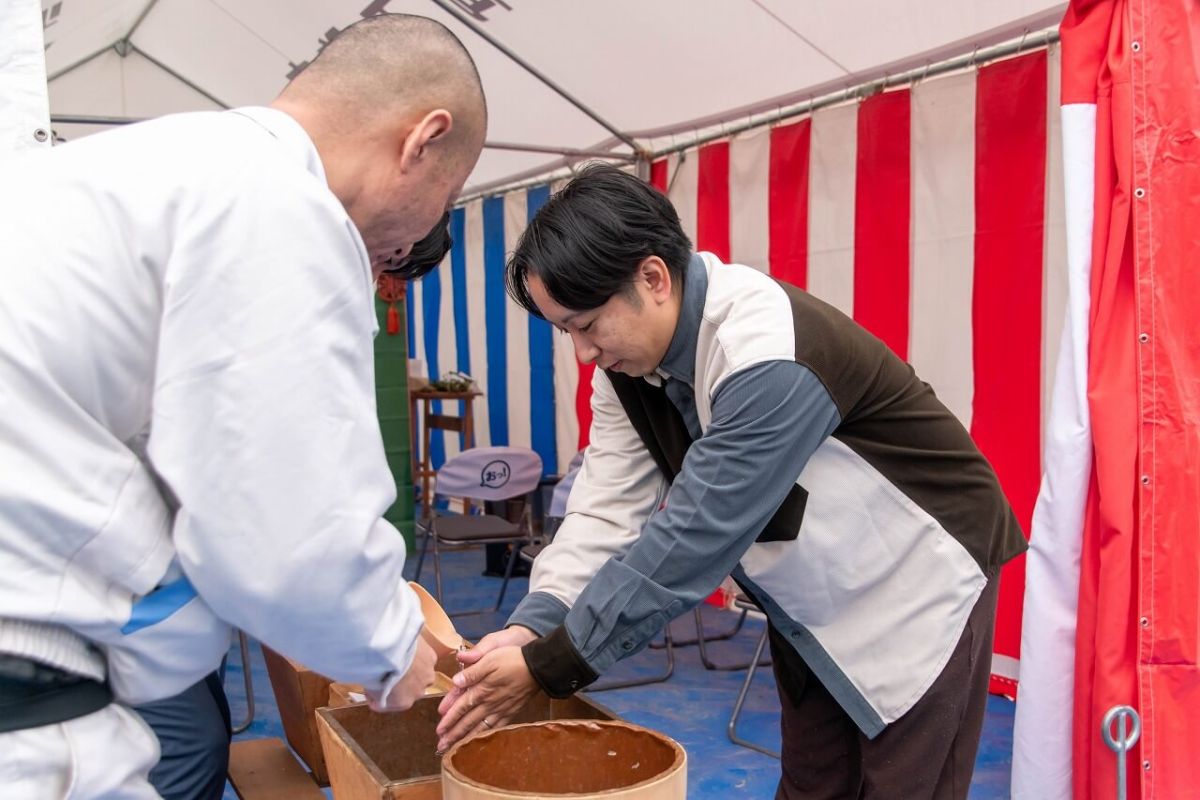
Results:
[927, 753]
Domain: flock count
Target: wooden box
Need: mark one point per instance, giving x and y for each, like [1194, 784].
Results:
[374, 756]
[299, 692]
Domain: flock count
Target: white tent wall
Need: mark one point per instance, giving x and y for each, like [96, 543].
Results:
[130, 86]
[949, 324]
[24, 110]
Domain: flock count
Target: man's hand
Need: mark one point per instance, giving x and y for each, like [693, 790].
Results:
[486, 695]
[412, 686]
[514, 636]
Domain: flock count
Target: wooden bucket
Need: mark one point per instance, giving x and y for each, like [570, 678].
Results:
[569, 758]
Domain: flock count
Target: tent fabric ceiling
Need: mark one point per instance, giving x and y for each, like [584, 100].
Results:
[653, 70]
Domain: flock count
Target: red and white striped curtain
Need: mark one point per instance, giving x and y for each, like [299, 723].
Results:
[932, 214]
[1113, 604]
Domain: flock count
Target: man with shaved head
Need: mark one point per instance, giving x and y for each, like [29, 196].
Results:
[386, 80]
[187, 411]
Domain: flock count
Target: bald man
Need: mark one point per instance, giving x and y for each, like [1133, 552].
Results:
[187, 411]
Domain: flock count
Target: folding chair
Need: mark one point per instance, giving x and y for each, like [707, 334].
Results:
[247, 681]
[702, 640]
[556, 512]
[483, 474]
[746, 604]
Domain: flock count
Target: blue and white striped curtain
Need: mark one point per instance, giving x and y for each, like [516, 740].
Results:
[461, 319]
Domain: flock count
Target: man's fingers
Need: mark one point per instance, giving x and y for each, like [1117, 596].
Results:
[478, 720]
[461, 698]
[473, 655]
[462, 707]
[484, 646]
[514, 636]
[450, 699]
[470, 676]
[471, 722]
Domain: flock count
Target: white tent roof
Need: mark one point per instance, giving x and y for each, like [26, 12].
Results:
[654, 71]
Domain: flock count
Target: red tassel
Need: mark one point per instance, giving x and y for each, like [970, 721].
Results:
[393, 323]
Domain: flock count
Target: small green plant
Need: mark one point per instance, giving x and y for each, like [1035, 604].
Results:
[453, 382]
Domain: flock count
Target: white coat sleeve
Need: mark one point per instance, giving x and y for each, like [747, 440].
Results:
[617, 490]
[265, 431]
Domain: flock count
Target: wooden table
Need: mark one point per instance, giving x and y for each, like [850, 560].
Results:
[463, 424]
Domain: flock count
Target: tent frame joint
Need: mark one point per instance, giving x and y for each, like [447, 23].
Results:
[538, 74]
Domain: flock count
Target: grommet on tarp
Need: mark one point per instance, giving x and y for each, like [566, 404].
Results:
[391, 290]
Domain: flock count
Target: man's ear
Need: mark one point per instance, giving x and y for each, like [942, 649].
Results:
[430, 129]
[655, 274]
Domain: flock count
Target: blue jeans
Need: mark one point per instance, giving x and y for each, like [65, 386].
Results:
[193, 730]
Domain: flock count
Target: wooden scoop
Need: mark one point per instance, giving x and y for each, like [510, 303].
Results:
[439, 631]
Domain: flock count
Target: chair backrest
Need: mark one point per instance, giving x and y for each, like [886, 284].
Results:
[490, 473]
[562, 489]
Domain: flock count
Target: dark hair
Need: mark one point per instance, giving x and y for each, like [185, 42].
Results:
[586, 242]
[425, 254]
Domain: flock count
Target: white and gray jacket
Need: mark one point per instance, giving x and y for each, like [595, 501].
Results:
[795, 451]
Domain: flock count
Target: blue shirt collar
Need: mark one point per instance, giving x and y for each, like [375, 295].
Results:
[680, 361]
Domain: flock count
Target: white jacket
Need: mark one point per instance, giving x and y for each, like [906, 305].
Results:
[187, 405]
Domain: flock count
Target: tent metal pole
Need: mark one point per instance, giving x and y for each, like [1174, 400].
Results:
[540, 177]
[558, 151]
[642, 169]
[548, 174]
[1032, 42]
[504, 186]
[85, 60]
[141, 18]
[525, 65]
[175, 75]
[84, 119]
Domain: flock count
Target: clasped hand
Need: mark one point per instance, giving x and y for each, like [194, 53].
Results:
[493, 686]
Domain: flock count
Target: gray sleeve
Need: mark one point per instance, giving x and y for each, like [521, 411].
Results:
[767, 421]
[541, 612]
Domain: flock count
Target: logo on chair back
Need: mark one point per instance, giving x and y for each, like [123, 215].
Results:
[494, 474]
